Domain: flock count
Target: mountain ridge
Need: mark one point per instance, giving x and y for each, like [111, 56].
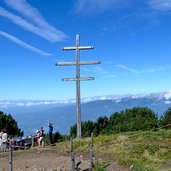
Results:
[31, 115]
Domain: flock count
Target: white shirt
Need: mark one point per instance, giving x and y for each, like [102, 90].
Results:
[1, 138]
[4, 137]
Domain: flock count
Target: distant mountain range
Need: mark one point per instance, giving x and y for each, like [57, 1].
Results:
[31, 115]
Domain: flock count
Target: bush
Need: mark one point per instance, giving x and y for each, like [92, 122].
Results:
[87, 128]
[9, 123]
[165, 120]
[57, 137]
[137, 118]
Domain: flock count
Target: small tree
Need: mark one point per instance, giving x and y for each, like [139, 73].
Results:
[165, 120]
[8, 122]
[73, 131]
[137, 118]
[100, 125]
[87, 128]
[57, 137]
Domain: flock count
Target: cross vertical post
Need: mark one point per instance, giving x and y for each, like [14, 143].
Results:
[77, 63]
[78, 107]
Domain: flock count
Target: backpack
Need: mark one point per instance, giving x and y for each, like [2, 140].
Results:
[42, 133]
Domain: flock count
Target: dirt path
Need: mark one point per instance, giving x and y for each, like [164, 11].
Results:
[50, 159]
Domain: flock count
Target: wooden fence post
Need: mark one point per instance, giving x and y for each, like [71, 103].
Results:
[32, 141]
[10, 156]
[72, 155]
[91, 152]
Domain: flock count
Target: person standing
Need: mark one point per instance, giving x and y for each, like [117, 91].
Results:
[50, 132]
[1, 138]
[38, 134]
[42, 135]
[4, 140]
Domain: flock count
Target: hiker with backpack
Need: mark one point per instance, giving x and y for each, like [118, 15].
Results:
[41, 139]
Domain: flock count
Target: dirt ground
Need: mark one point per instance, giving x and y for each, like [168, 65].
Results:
[50, 159]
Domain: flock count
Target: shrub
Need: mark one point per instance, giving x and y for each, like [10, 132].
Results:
[9, 123]
[165, 120]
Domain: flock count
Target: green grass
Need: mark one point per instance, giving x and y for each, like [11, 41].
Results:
[142, 151]
[99, 167]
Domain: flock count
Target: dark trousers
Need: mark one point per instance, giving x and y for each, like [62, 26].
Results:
[50, 138]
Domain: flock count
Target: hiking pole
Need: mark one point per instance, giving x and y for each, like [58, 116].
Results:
[10, 157]
[72, 156]
[32, 141]
[91, 152]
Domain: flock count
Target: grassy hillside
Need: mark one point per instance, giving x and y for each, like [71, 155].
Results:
[141, 151]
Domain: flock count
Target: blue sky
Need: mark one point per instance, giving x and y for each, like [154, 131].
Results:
[132, 39]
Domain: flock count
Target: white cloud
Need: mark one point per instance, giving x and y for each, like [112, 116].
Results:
[23, 44]
[104, 98]
[99, 70]
[96, 6]
[19, 104]
[29, 103]
[149, 70]
[118, 100]
[127, 68]
[160, 5]
[37, 24]
[85, 69]
[110, 28]
[167, 102]
[104, 72]
[87, 99]
[167, 95]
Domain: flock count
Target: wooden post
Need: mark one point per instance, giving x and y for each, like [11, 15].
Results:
[72, 155]
[32, 141]
[91, 152]
[0, 163]
[77, 48]
[10, 156]
[78, 105]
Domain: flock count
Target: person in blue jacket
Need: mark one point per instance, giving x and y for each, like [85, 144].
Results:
[50, 132]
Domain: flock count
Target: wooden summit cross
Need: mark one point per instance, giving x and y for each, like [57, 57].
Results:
[77, 48]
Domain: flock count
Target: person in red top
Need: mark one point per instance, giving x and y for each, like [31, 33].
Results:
[38, 134]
